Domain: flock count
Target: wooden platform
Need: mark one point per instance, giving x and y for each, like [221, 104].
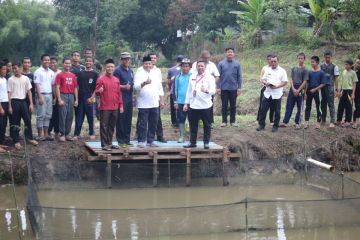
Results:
[171, 150]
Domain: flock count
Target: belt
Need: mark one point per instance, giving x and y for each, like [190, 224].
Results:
[43, 93]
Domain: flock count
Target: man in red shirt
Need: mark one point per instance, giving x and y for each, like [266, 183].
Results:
[67, 96]
[108, 88]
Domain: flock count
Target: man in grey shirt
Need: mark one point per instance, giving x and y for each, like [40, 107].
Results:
[229, 85]
[299, 78]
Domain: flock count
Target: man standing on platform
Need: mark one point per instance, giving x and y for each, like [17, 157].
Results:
[126, 77]
[26, 65]
[108, 88]
[4, 105]
[150, 98]
[87, 83]
[172, 73]
[54, 122]
[275, 78]
[198, 102]
[44, 79]
[229, 85]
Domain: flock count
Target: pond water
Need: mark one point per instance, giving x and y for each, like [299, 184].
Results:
[276, 211]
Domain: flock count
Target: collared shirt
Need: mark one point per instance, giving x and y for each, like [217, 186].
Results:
[181, 86]
[3, 90]
[19, 87]
[172, 73]
[210, 68]
[126, 76]
[197, 98]
[45, 78]
[275, 77]
[230, 75]
[110, 98]
[148, 96]
[348, 79]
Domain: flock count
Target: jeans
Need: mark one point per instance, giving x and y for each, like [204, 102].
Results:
[228, 97]
[290, 104]
[327, 99]
[181, 114]
[123, 125]
[44, 111]
[66, 114]
[205, 116]
[147, 123]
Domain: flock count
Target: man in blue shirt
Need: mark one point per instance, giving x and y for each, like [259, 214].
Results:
[126, 76]
[229, 85]
[317, 80]
[172, 73]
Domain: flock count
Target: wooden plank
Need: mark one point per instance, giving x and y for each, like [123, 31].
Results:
[108, 170]
[155, 169]
[188, 168]
[225, 163]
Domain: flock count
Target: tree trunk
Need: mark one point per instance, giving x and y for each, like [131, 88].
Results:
[97, 3]
[317, 28]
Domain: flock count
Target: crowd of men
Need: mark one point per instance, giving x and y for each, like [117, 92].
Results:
[54, 95]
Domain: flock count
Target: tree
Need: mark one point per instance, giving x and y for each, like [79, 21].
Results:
[252, 17]
[28, 28]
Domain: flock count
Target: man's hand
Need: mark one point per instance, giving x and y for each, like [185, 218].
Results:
[10, 110]
[186, 108]
[305, 97]
[31, 108]
[218, 91]
[128, 87]
[296, 93]
[61, 102]
[90, 101]
[121, 110]
[353, 96]
[41, 99]
[148, 81]
[314, 90]
[176, 106]
[101, 89]
[238, 92]
[2, 112]
[162, 104]
[204, 90]
[76, 103]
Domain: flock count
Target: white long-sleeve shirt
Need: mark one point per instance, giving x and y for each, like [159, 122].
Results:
[197, 98]
[148, 96]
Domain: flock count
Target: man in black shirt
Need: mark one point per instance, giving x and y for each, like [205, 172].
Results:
[76, 67]
[26, 65]
[86, 84]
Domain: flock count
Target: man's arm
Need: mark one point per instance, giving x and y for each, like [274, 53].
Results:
[10, 106]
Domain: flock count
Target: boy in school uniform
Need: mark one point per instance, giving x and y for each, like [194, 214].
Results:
[347, 86]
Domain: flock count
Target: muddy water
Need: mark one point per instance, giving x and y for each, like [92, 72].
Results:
[196, 213]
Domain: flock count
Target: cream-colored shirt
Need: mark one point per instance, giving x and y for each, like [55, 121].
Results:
[19, 86]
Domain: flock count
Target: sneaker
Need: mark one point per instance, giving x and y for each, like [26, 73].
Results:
[40, 139]
[331, 125]
[152, 144]
[190, 145]
[206, 146]
[141, 145]
[162, 140]
[181, 140]
[114, 147]
[107, 148]
[123, 145]
[223, 124]
[233, 125]
[274, 129]
[260, 128]
[18, 146]
[49, 138]
[33, 142]
[62, 139]
[92, 137]
[129, 145]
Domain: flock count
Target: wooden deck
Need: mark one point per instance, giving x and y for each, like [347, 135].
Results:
[171, 150]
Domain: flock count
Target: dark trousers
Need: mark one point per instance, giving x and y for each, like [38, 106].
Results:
[212, 110]
[20, 110]
[290, 104]
[173, 111]
[228, 97]
[181, 115]
[357, 102]
[345, 104]
[66, 114]
[147, 122]
[159, 128]
[54, 121]
[309, 99]
[205, 116]
[327, 99]
[107, 126]
[84, 109]
[266, 104]
[123, 125]
[3, 121]
[272, 110]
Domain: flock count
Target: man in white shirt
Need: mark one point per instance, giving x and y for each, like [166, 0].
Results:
[150, 95]
[274, 78]
[198, 102]
[4, 104]
[44, 79]
[210, 68]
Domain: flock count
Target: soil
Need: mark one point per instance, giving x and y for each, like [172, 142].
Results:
[339, 146]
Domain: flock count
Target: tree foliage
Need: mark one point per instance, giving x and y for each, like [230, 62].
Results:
[28, 28]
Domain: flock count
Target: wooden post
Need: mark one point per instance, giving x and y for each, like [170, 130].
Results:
[108, 170]
[188, 167]
[155, 169]
[225, 163]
